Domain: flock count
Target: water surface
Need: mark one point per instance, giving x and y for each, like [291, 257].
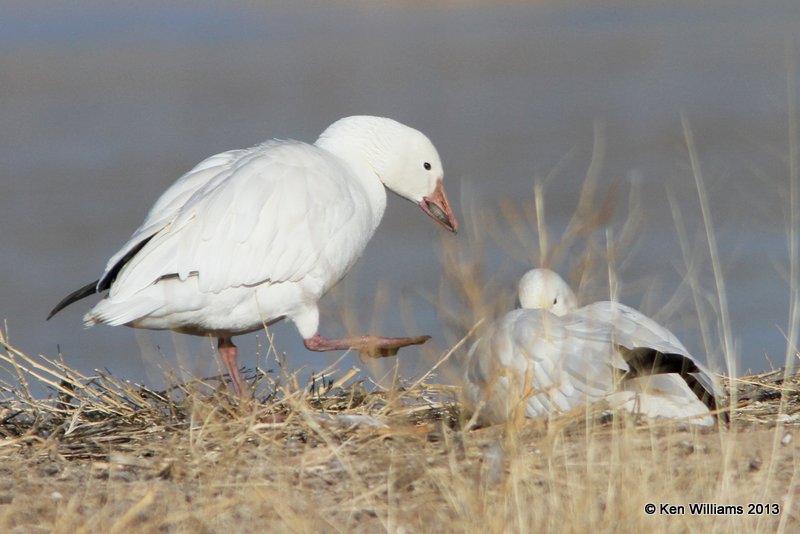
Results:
[103, 106]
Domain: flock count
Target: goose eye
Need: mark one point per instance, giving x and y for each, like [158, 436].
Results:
[427, 166]
[555, 301]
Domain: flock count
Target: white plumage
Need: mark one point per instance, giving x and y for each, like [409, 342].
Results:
[551, 357]
[249, 237]
[225, 237]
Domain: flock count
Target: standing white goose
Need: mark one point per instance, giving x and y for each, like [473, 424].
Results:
[249, 237]
[551, 357]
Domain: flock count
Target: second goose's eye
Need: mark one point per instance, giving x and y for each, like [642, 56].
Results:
[427, 166]
[555, 301]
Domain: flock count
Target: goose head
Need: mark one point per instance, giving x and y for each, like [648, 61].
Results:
[546, 290]
[402, 158]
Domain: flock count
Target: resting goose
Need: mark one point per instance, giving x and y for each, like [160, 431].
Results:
[552, 356]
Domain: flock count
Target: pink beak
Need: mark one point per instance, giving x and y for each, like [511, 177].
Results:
[438, 208]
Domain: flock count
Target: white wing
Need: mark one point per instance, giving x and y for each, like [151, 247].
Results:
[169, 203]
[274, 213]
[632, 329]
[629, 327]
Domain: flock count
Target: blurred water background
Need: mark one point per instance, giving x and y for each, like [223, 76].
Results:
[104, 104]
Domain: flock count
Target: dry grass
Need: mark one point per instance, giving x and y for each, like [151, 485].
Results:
[103, 455]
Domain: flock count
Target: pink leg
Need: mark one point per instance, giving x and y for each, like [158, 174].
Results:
[372, 346]
[229, 354]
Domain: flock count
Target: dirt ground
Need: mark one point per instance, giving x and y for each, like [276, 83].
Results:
[102, 455]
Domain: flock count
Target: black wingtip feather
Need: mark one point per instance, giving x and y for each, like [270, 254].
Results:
[103, 283]
[85, 291]
[645, 361]
[706, 397]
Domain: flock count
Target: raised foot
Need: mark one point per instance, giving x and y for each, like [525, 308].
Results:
[367, 346]
[382, 347]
